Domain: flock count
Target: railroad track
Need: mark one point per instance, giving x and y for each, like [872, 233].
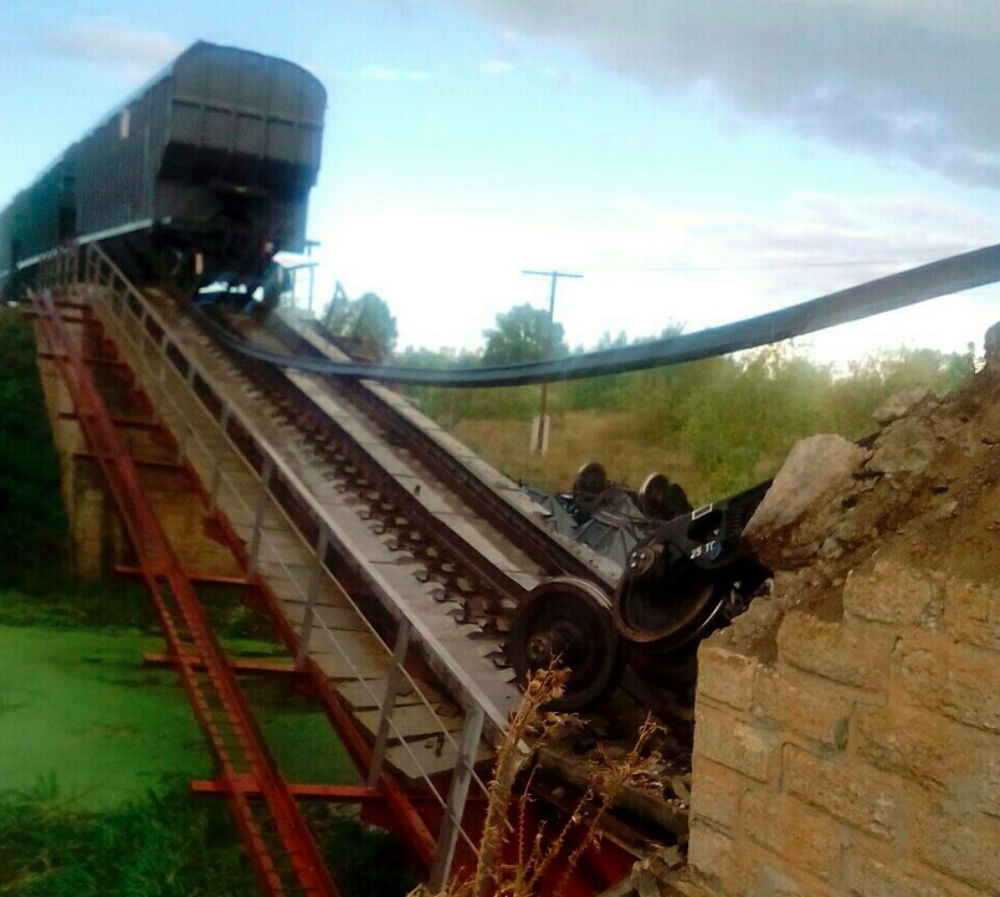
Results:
[433, 546]
[462, 534]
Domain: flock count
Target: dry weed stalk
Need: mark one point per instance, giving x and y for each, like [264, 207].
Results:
[492, 876]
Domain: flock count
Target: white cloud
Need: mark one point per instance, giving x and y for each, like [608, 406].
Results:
[111, 44]
[384, 73]
[495, 67]
[912, 79]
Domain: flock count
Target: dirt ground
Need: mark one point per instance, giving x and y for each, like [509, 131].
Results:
[926, 494]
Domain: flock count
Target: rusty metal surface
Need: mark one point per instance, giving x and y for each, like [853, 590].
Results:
[286, 859]
[251, 478]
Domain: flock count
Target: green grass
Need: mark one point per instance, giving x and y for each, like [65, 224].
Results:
[95, 753]
[52, 599]
[78, 708]
[167, 844]
[364, 861]
[162, 843]
[298, 733]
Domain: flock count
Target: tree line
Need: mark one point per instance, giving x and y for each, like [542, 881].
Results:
[367, 327]
[727, 422]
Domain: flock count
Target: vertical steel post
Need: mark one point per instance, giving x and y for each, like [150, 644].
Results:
[315, 582]
[213, 504]
[162, 351]
[389, 702]
[258, 518]
[185, 425]
[457, 794]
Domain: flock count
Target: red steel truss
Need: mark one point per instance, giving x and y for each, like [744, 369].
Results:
[284, 855]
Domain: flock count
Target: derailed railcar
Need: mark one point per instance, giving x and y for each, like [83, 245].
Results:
[6, 242]
[207, 169]
[41, 216]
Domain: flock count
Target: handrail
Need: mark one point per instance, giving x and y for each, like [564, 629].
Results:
[470, 691]
[155, 365]
[157, 560]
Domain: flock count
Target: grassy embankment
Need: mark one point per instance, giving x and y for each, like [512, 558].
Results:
[96, 750]
[714, 426]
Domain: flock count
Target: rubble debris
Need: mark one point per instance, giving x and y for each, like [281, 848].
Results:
[901, 404]
[795, 517]
[904, 446]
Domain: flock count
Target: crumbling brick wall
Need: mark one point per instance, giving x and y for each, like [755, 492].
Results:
[858, 754]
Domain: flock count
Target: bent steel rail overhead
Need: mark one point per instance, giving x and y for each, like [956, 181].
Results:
[949, 275]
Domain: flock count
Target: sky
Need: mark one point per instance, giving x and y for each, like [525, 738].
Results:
[697, 162]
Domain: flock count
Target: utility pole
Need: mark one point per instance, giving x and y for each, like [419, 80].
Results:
[542, 430]
[310, 245]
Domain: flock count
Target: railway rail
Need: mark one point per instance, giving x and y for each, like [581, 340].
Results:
[954, 274]
[457, 525]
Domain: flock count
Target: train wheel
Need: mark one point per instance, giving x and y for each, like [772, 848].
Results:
[662, 608]
[568, 620]
[590, 481]
[653, 496]
[659, 499]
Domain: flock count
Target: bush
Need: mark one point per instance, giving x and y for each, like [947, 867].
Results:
[717, 425]
[166, 844]
[32, 523]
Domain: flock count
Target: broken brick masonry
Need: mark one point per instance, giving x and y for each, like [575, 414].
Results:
[847, 736]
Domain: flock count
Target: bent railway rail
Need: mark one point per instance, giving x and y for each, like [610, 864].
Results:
[940, 278]
[389, 557]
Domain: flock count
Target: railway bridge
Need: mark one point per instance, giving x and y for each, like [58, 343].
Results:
[854, 753]
[387, 555]
[390, 559]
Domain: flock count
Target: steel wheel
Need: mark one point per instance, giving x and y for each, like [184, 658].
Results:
[660, 608]
[570, 620]
[588, 484]
[659, 499]
[653, 496]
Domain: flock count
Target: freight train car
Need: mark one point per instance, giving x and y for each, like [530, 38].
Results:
[203, 174]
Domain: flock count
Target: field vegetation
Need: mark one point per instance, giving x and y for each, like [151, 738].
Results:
[714, 426]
